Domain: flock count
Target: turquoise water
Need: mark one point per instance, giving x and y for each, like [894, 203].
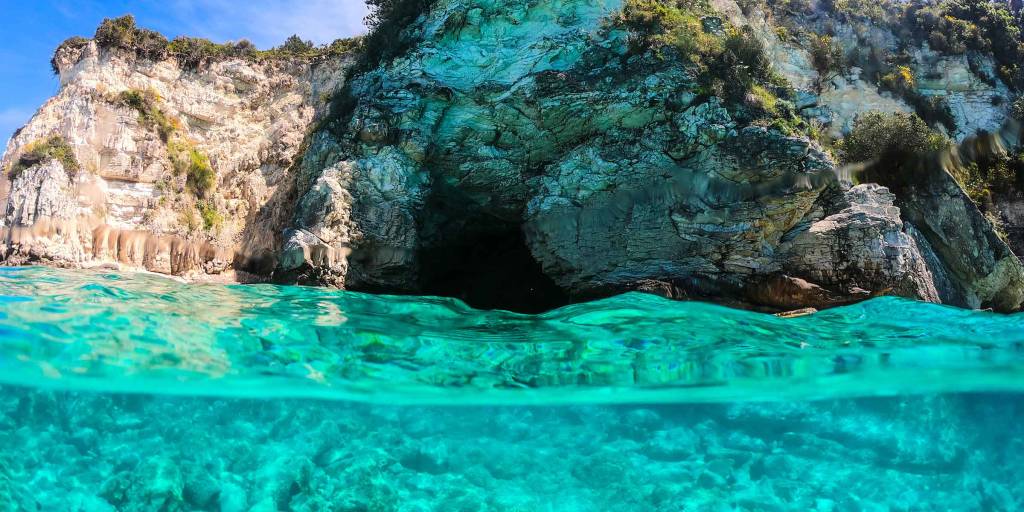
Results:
[134, 392]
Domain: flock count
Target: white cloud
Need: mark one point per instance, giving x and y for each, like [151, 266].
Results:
[268, 22]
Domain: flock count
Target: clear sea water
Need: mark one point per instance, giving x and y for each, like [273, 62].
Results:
[132, 392]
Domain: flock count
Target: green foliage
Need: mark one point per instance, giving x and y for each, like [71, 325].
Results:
[200, 177]
[54, 147]
[294, 45]
[934, 110]
[900, 80]
[386, 21]
[208, 212]
[742, 64]
[122, 33]
[991, 175]
[730, 63]
[74, 43]
[150, 115]
[656, 24]
[878, 135]
[194, 53]
[949, 26]
[827, 55]
[874, 11]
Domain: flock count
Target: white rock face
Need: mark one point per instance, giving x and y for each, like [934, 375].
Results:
[249, 119]
[978, 103]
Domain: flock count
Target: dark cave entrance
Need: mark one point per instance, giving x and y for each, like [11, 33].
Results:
[492, 269]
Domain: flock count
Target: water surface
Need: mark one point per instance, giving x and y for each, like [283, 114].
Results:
[142, 333]
[136, 393]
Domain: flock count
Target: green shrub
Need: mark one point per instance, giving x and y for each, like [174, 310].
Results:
[900, 80]
[200, 177]
[122, 33]
[878, 134]
[150, 115]
[294, 45]
[208, 212]
[934, 110]
[827, 55]
[116, 32]
[54, 147]
[741, 64]
[991, 174]
[655, 24]
[193, 53]
[875, 11]
[387, 21]
[74, 42]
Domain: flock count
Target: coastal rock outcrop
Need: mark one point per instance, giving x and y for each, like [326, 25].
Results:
[521, 155]
[143, 131]
[540, 125]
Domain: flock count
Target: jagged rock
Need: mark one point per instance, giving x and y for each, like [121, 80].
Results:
[521, 139]
[859, 251]
[249, 118]
[156, 485]
[983, 270]
[307, 258]
[41, 191]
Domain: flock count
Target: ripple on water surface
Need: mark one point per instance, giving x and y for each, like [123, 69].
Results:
[140, 333]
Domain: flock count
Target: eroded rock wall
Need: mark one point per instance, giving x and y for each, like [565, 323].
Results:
[536, 118]
[517, 153]
[249, 119]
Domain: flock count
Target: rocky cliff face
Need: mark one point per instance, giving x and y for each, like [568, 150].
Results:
[521, 154]
[129, 202]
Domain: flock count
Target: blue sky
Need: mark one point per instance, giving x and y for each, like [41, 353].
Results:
[31, 29]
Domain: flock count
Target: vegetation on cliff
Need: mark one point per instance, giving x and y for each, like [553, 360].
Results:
[878, 135]
[386, 21]
[185, 158]
[949, 26]
[54, 147]
[195, 52]
[728, 62]
[973, 28]
[150, 115]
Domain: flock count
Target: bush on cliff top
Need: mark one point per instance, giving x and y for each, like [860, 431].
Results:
[74, 42]
[387, 21]
[195, 52]
[54, 147]
[122, 33]
[654, 24]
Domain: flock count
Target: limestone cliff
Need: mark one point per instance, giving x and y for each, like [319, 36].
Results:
[523, 154]
[138, 129]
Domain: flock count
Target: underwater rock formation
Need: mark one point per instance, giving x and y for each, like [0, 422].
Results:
[144, 453]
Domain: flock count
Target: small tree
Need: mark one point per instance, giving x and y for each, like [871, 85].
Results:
[827, 56]
[878, 134]
[116, 32]
[294, 45]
